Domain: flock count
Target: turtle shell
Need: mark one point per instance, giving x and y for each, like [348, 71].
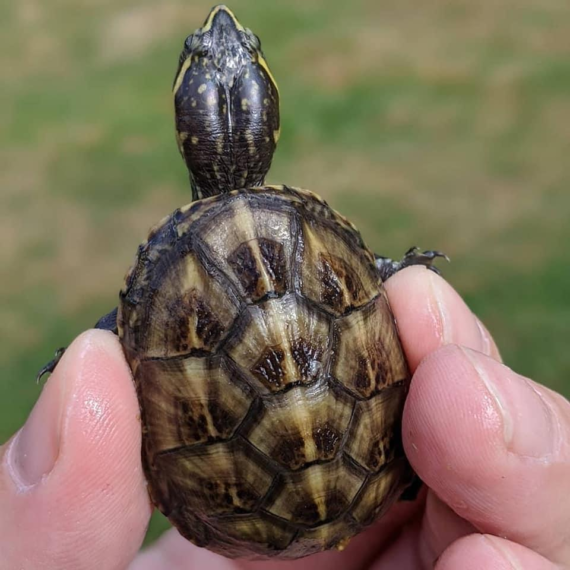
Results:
[269, 373]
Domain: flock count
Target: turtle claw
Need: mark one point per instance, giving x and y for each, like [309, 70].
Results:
[414, 256]
[50, 366]
[107, 322]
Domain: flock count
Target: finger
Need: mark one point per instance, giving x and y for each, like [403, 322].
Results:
[494, 446]
[483, 551]
[430, 314]
[413, 548]
[440, 527]
[71, 486]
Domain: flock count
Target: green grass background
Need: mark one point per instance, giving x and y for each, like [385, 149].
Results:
[444, 124]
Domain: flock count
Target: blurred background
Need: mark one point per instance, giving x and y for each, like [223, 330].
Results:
[444, 124]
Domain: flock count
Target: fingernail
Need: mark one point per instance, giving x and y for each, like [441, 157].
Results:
[439, 311]
[489, 346]
[528, 427]
[35, 448]
[453, 321]
[485, 338]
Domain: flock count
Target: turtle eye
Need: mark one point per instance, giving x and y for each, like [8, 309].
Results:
[251, 40]
[188, 42]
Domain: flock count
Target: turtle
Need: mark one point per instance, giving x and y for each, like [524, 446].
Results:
[267, 362]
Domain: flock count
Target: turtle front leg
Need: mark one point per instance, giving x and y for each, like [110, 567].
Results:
[414, 256]
[387, 267]
[107, 323]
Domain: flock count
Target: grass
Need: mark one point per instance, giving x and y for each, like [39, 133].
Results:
[443, 125]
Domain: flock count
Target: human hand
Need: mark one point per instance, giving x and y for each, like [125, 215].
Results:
[492, 447]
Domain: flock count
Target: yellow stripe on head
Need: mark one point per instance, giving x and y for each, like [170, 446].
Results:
[263, 63]
[220, 8]
[181, 74]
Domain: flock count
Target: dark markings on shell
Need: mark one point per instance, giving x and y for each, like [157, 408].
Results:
[239, 499]
[332, 292]
[298, 497]
[274, 258]
[213, 476]
[380, 451]
[201, 402]
[377, 428]
[312, 205]
[336, 504]
[192, 426]
[222, 419]
[306, 511]
[307, 357]
[362, 378]
[208, 327]
[290, 451]
[369, 358]
[327, 440]
[269, 368]
[340, 287]
[266, 532]
[191, 308]
[379, 374]
[250, 464]
[244, 265]
[381, 491]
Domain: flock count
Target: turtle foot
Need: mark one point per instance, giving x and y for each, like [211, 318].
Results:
[414, 256]
[107, 323]
[50, 366]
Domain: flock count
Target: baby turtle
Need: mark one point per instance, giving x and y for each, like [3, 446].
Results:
[269, 372]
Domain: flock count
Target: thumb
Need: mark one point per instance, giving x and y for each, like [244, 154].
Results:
[71, 486]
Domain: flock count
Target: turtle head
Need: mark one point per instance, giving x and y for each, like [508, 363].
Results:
[226, 107]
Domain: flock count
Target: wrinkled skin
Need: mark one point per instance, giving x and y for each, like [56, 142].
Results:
[492, 447]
